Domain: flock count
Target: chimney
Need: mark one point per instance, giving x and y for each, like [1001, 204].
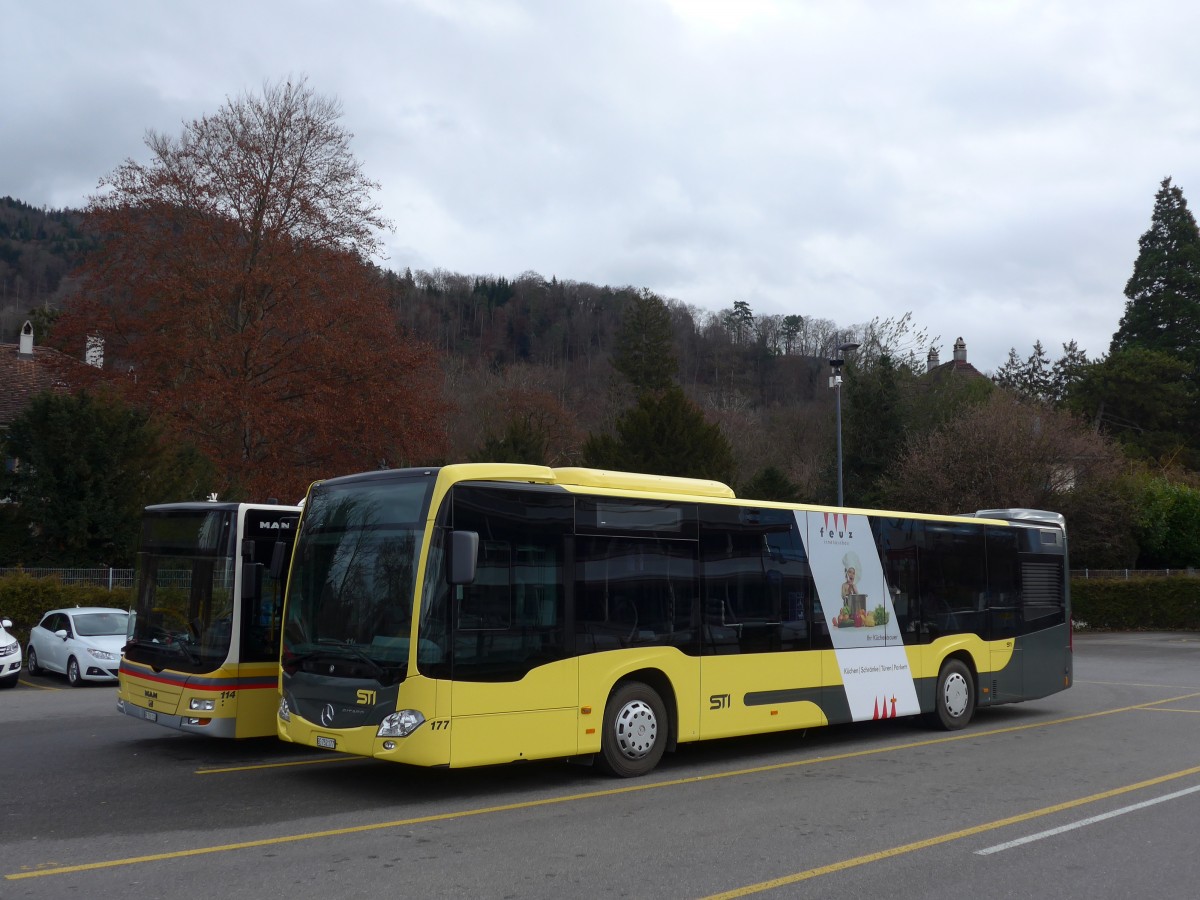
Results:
[93, 355]
[960, 351]
[25, 348]
[931, 361]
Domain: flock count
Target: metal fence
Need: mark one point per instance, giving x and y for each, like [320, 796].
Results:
[1131, 573]
[106, 578]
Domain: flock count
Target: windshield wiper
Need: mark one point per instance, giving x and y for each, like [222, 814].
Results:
[380, 672]
[193, 658]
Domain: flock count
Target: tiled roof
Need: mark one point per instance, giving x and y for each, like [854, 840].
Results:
[24, 377]
[956, 367]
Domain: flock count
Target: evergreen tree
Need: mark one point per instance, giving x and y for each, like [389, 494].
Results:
[770, 484]
[1066, 371]
[1167, 523]
[521, 442]
[1142, 398]
[1010, 376]
[790, 332]
[873, 427]
[643, 352]
[663, 434]
[1163, 309]
[88, 465]
[1036, 378]
[739, 321]
[1038, 373]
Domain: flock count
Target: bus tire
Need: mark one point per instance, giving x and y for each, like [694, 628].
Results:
[955, 701]
[635, 731]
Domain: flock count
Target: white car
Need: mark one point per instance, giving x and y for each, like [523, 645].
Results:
[10, 656]
[83, 643]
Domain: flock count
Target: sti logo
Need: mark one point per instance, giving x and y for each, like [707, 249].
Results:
[840, 527]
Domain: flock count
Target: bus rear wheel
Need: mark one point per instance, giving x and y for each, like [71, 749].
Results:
[955, 695]
[635, 731]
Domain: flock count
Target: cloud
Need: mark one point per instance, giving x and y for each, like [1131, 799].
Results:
[988, 167]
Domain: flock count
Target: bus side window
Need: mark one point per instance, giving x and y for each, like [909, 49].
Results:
[898, 541]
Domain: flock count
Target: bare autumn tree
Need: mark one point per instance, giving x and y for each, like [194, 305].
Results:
[517, 410]
[234, 294]
[1004, 452]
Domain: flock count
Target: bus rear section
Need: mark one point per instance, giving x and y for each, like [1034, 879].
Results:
[202, 653]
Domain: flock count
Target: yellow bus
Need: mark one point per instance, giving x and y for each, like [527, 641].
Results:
[487, 613]
[202, 651]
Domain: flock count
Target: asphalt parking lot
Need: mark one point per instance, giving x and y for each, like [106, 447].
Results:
[1092, 792]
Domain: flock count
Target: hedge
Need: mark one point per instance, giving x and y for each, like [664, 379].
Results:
[1137, 604]
[25, 599]
[1133, 604]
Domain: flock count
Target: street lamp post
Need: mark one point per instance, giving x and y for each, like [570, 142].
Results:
[835, 382]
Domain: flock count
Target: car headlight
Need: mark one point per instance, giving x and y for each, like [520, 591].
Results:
[285, 714]
[101, 654]
[10, 648]
[400, 724]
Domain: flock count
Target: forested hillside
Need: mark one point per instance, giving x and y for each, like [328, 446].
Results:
[38, 249]
[538, 351]
[255, 355]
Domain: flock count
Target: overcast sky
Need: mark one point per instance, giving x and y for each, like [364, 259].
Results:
[988, 167]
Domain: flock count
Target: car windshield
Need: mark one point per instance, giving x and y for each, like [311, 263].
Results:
[353, 577]
[101, 623]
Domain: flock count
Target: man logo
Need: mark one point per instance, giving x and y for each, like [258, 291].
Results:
[327, 715]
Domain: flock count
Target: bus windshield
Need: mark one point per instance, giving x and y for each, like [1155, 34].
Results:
[183, 611]
[349, 611]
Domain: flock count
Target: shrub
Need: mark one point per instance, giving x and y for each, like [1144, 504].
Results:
[1137, 604]
[25, 599]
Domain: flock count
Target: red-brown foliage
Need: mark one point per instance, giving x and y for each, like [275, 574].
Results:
[234, 299]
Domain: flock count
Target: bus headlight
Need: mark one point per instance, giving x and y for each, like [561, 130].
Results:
[400, 724]
[198, 703]
[285, 714]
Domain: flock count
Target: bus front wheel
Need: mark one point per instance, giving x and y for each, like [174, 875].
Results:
[635, 731]
[955, 695]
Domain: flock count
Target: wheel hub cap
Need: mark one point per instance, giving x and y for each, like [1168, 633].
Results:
[637, 730]
[956, 695]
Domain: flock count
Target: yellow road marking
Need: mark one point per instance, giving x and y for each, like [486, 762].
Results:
[592, 795]
[804, 762]
[1138, 684]
[945, 838]
[280, 765]
[40, 687]
[1169, 709]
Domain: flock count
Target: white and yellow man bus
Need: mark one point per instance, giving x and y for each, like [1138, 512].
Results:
[202, 652]
[479, 614]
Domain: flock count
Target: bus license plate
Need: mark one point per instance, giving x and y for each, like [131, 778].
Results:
[327, 742]
[150, 716]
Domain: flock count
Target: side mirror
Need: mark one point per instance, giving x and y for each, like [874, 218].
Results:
[462, 550]
[61, 633]
[5, 623]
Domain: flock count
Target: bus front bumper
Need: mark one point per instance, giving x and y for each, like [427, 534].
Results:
[219, 728]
